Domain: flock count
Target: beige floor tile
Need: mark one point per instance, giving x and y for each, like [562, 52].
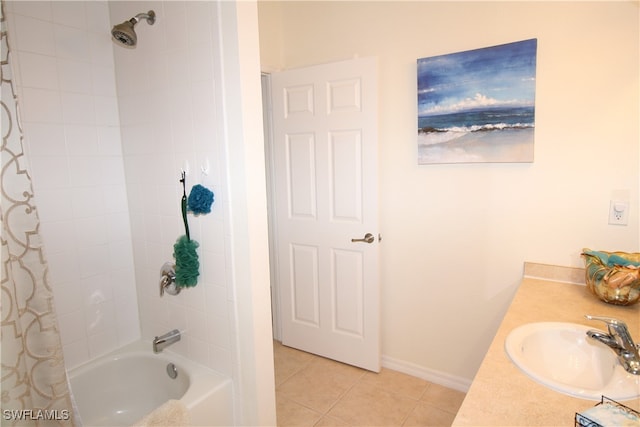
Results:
[320, 383]
[290, 413]
[397, 382]
[288, 361]
[291, 353]
[331, 367]
[443, 398]
[313, 391]
[366, 405]
[426, 415]
[328, 421]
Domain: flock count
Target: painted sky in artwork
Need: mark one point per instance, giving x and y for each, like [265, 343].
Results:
[493, 77]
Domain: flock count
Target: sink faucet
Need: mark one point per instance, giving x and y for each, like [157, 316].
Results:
[159, 343]
[619, 340]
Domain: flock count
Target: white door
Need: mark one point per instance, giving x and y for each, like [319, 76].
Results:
[325, 180]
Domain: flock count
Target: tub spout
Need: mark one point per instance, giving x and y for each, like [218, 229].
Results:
[159, 343]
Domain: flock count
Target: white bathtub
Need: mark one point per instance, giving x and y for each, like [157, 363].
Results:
[122, 387]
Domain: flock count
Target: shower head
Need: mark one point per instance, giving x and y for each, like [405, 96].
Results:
[125, 34]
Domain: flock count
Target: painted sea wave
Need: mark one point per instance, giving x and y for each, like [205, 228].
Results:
[438, 129]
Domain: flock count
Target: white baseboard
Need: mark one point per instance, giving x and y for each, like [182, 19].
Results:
[437, 377]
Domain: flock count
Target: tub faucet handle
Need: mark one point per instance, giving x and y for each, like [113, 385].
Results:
[168, 280]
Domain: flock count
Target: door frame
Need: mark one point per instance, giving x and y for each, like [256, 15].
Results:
[267, 114]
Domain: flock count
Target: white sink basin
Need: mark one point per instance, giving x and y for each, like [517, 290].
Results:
[562, 357]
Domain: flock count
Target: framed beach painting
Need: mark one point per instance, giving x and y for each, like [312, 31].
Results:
[478, 106]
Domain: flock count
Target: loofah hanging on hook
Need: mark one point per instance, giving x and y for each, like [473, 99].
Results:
[200, 200]
[187, 263]
[185, 250]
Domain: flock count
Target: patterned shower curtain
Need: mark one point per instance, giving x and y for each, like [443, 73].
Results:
[34, 389]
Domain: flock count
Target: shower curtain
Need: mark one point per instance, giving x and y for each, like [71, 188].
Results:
[34, 389]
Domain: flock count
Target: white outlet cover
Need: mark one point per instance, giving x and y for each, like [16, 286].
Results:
[618, 212]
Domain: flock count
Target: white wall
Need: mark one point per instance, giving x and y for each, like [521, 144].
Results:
[249, 252]
[456, 236]
[66, 83]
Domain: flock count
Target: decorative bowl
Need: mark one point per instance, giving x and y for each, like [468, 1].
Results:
[614, 277]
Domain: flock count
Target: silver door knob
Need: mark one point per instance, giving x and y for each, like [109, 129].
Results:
[368, 238]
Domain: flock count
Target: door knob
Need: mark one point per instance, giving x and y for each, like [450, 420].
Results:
[368, 238]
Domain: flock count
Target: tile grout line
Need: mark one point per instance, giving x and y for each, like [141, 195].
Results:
[418, 400]
[409, 413]
[342, 395]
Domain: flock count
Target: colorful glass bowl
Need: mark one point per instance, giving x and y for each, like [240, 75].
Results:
[614, 277]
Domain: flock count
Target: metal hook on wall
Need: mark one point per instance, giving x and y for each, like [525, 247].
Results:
[204, 168]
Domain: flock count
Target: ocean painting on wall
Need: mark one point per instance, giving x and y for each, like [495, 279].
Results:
[478, 106]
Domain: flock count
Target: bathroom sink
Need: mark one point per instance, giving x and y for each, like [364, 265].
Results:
[561, 356]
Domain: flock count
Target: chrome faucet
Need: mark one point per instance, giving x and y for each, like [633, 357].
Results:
[159, 343]
[619, 340]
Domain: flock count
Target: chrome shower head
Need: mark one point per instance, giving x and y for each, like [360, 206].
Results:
[125, 34]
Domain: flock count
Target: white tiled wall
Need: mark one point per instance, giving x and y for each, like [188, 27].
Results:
[166, 90]
[67, 92]
[85, 133]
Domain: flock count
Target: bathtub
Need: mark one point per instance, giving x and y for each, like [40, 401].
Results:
[120, 388]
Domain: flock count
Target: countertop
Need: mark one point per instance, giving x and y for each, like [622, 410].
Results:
[501, 395]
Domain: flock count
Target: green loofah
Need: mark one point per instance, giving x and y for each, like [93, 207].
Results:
[187, 264]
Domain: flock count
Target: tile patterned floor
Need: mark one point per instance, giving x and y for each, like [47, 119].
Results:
[313, 391]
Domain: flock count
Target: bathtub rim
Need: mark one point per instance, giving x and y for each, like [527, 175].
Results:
[203, 381]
